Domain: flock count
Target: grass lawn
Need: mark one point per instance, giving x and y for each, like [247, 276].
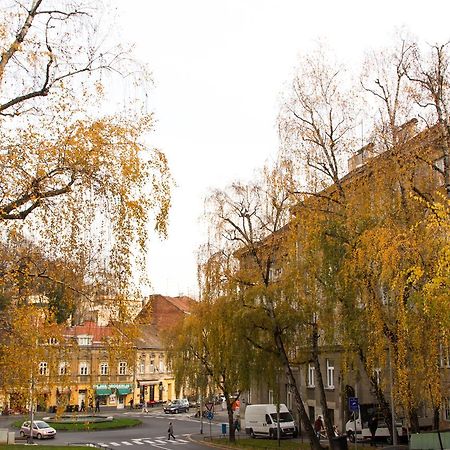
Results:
[89, 426]
[263, 443]
[41, 447]
[287, 444]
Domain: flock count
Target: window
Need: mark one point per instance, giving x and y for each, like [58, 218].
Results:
[122, 368]
[270, 396]
[447, 408]
[104, 368]
[84, 340]
[161, 362]
[445, 355]
[330, 374]
[84, 368]
[62, 370]
[52, 341]
[311, 375]
[289, 398]
[152, 366]
[142, 367]
[439, 171]
[377, 376]
[43, 368]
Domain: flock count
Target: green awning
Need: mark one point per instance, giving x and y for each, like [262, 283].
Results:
[101, 392]
[123, 391]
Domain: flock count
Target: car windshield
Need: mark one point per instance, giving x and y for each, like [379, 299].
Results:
[284, 417]
[175, 402]
[41, 424]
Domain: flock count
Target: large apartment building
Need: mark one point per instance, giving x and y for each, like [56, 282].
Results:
[420, 160]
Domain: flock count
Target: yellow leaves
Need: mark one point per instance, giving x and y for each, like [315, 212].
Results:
[92, 181]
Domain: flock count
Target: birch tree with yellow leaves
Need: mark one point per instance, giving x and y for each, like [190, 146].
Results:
[82, 186]
[364, 244]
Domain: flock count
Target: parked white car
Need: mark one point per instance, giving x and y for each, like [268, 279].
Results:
[41, 429]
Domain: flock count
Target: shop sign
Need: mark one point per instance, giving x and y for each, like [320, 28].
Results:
[112, 386]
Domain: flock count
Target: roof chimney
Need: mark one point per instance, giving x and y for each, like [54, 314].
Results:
[361, 156]
[405, 131]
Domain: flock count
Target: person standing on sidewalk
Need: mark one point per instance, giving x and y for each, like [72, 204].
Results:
[170, 432]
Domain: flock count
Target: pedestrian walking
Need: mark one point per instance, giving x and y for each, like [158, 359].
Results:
[97, 405]
[373, 425]
[131, 403]
[82, 406]
[144, 407]
[318, 426]
[170, 432]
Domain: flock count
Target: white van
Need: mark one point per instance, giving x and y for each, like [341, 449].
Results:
[261, 420]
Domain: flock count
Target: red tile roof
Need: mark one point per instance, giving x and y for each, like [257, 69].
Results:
[89, 328]
[164, 312]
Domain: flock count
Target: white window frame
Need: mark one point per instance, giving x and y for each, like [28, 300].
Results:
[447, 409]
[43, 368]
[122, 368]
[270, 396]
[311, 376]
[444, 351]
[104, 368]
[377, 375]
[83, 368]
[63, 368]
[330, 374]
[84, 339]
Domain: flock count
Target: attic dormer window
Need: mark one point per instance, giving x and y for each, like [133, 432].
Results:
[85, 340]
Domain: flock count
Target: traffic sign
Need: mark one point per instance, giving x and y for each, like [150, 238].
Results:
[353, 404]
[209, 406]
[210, 415]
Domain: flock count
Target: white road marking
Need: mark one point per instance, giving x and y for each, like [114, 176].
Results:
[155, 442]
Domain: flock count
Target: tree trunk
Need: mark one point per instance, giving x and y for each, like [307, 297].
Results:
[314, 441]
[436, 418]
[382, 402]
[414, 420]
[319, 378]
[232, 432]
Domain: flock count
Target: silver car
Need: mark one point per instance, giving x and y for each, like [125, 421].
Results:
[41, 429]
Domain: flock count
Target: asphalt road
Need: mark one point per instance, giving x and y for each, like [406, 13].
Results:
[152, 433]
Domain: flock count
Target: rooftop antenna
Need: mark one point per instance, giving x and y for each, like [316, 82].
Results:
[362, 132]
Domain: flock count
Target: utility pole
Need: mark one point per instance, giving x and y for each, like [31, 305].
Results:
[30, 438]
[391, 381]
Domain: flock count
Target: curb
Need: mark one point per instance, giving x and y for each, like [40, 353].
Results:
[197, 440]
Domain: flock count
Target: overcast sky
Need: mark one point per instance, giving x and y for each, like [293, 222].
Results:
[219, 68]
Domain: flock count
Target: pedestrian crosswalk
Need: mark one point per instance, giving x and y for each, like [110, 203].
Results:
[152, 441]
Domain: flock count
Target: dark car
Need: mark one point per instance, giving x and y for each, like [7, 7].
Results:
[41, 429]
[176, 406]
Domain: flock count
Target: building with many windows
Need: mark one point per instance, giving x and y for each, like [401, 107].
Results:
[421, 162]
